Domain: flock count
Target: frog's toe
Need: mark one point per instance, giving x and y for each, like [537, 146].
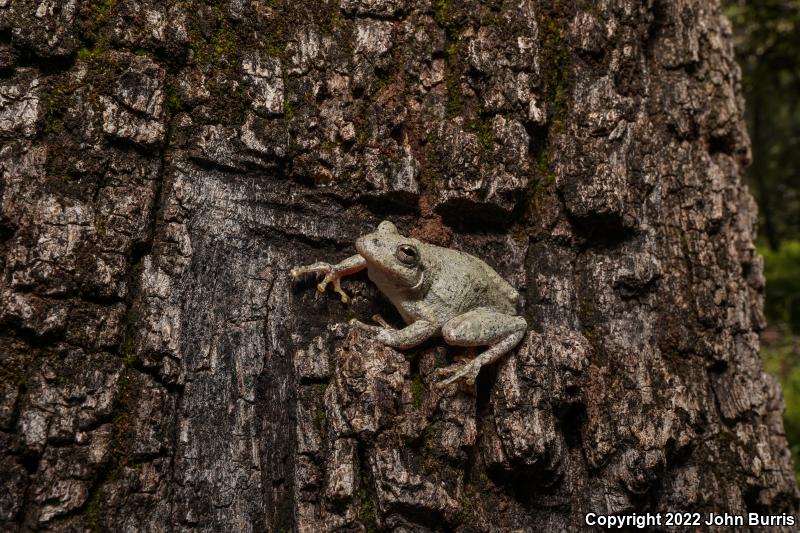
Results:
[468, 372]
[447, 370]
[443, 384]
[448, 375]
[337, 288]
[320, 267]
[360, 325]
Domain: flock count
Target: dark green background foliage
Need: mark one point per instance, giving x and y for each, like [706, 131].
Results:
[768, 48]
[767, 37]
[782, 270]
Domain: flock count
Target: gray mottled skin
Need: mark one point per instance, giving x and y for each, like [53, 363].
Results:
[438, 291]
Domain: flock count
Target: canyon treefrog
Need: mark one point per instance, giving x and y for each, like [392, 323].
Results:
[438, 291]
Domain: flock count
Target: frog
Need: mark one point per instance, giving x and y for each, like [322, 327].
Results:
[438, 292]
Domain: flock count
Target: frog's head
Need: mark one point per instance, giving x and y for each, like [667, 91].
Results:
[397, 257]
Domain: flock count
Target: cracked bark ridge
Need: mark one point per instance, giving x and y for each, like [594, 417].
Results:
[163, 165]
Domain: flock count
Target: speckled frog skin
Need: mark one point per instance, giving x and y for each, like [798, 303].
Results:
[438, 291]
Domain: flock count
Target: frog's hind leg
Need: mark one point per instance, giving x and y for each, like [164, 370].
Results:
[480, 327]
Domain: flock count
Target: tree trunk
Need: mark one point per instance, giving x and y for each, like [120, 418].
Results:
[163, 166]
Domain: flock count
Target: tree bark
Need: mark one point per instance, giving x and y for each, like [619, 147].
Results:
[164, 165]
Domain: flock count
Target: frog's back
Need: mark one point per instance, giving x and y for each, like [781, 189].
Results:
[467, 282]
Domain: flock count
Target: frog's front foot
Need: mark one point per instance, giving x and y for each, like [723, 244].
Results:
[331, 275]
[467, 371]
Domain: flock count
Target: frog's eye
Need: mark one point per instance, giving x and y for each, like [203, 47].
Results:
[407, 254]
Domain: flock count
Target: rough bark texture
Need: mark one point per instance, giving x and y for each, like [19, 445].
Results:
[164, 165]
